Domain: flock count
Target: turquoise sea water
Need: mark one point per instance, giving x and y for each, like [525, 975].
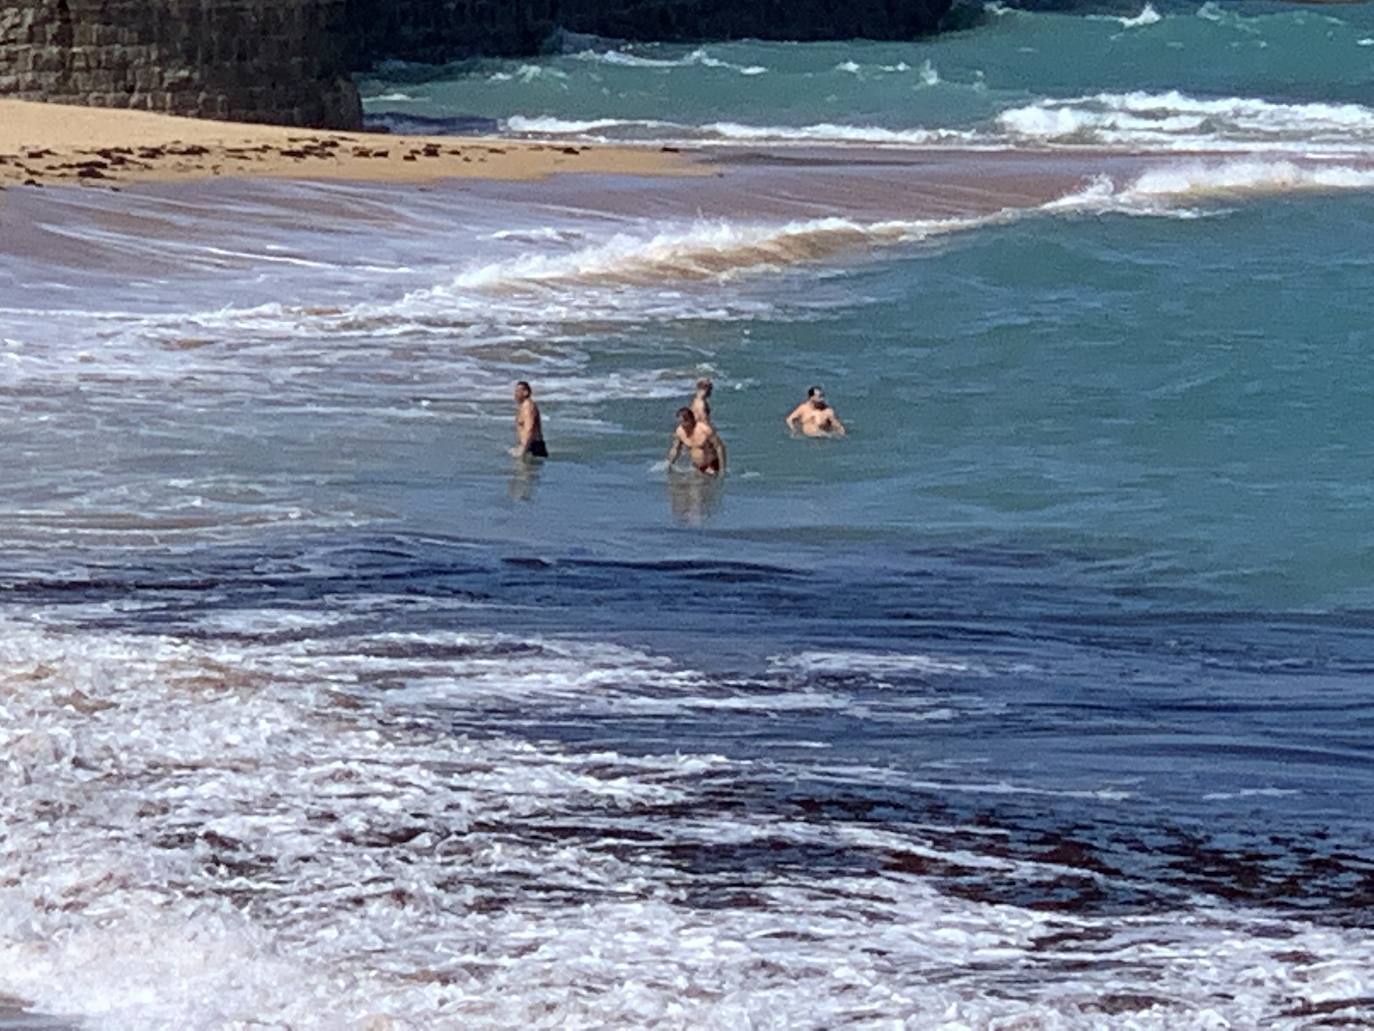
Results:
[1173, 74]
[1039, 700]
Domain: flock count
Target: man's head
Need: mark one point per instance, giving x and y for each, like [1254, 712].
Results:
[687, 419]
[816, 397]
[522, 391]
[704, 387]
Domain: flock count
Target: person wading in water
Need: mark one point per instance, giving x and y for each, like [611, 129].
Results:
[702, 442]
[529, 429]
[814, 417]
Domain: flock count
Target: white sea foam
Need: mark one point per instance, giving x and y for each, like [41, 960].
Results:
[698, 58]
[542, 125]
[395, 98]
[531, 72]
[830, 132]
[720, 250]
[1170, 190]
[929, 75]
[1227, 796]
[1147, 16]
[1240, 177]
[624, 60]
[1178, 121]
[879, 662]
[281, 833]
[1218, 13]
[543, 234]
[1137, 120]
[704, 250]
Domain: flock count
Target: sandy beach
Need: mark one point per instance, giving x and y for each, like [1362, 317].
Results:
[52, 144]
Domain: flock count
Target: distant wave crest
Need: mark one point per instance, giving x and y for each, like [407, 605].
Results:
[1176, 120]
[1169, 189]
[698, 58]
[1147, 16]
[736, 132]
[1139, 120]
[704, 250]
[710, 250]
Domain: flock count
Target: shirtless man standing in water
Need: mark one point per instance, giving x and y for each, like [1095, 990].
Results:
[529, 430]
[814, 417]
[702, 442]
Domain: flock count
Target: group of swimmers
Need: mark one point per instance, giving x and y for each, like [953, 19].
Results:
[694, 433]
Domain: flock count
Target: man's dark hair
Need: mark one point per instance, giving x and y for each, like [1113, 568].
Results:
[812, 392]
[686, 414]
[522, 383]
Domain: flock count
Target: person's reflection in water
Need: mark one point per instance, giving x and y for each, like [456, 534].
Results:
[524, 478]
[693, 498]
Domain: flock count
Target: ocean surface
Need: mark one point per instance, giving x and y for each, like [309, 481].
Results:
[1042, 700]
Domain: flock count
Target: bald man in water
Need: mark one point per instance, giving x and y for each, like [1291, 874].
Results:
[814, 417]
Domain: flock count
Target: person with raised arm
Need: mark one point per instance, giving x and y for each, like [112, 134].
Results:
[701, 400]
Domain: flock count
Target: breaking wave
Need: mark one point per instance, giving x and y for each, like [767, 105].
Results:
[736, 132]
[1169, 121]
[1174, 120]
[1168, 189]
[708, 250]
[721, 249]
[698, 58]
[1147, 16]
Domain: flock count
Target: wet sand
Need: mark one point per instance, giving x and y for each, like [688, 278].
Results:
[51, 144]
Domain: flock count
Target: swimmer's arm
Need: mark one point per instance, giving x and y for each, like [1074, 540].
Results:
[720, 451]
[795, 418]
[838, 427]
[675, 449]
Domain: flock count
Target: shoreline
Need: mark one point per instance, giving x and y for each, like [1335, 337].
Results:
[63, 145]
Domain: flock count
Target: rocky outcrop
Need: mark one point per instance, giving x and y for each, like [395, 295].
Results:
[281, 61]
[286, 61]
[440, 30]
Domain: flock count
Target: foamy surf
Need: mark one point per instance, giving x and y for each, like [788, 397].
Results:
[1137, 121]
[1173, 188]
[292, 825]
[722, 250]
[709, 250]
[1174, 120]
[727, 132]
[698, 58]
[1147, 16]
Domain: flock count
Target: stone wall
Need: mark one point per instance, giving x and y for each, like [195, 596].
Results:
[280, 61]
[440, 30]
[286, 61]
